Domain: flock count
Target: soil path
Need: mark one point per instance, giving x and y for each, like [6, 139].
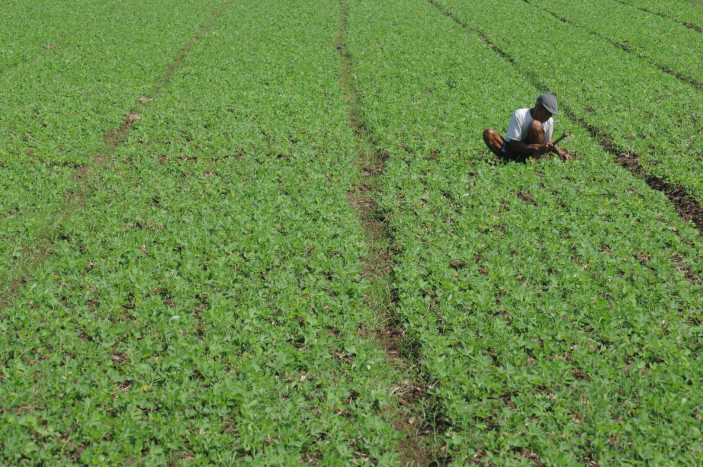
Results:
[87, 176]
[378, 266]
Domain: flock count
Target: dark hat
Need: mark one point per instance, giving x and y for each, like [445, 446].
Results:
[549, 102]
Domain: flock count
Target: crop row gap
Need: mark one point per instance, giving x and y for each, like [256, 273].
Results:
[378, 265]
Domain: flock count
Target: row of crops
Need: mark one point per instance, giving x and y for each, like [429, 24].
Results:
[637, 106]
[57, 107]
[182, 269]
[682, 12]
[543, 299]
[636, 31]
[204, 302]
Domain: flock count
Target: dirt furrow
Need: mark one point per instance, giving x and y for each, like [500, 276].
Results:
[88, 175]
[686, 206]
[624, 47]
[377, 266]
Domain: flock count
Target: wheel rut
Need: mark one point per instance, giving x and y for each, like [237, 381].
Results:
[377, 266]
[88, 175]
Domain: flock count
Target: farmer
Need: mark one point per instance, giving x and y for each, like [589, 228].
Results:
[529, 133]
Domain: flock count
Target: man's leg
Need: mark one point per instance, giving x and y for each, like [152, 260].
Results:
[493, 140]
[535, 134]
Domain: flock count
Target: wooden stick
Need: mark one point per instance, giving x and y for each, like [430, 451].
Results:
[561, 137]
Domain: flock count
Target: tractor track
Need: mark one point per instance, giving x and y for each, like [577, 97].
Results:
[624, 47]
[377, 266]
[88, 175]
[685, 205]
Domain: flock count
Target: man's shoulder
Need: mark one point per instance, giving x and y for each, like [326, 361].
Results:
[520, 113]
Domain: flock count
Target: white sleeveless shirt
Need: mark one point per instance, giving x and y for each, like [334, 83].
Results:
[520, 123]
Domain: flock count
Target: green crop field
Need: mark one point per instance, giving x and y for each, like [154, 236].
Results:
[270, 233]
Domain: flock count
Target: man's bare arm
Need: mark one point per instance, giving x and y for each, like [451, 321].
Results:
[539, 149]
[532, 149]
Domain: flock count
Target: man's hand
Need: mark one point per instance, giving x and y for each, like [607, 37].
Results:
[555, 149]
[539, 149]
[562, 155]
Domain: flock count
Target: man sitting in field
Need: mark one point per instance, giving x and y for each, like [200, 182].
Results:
[529, 133]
